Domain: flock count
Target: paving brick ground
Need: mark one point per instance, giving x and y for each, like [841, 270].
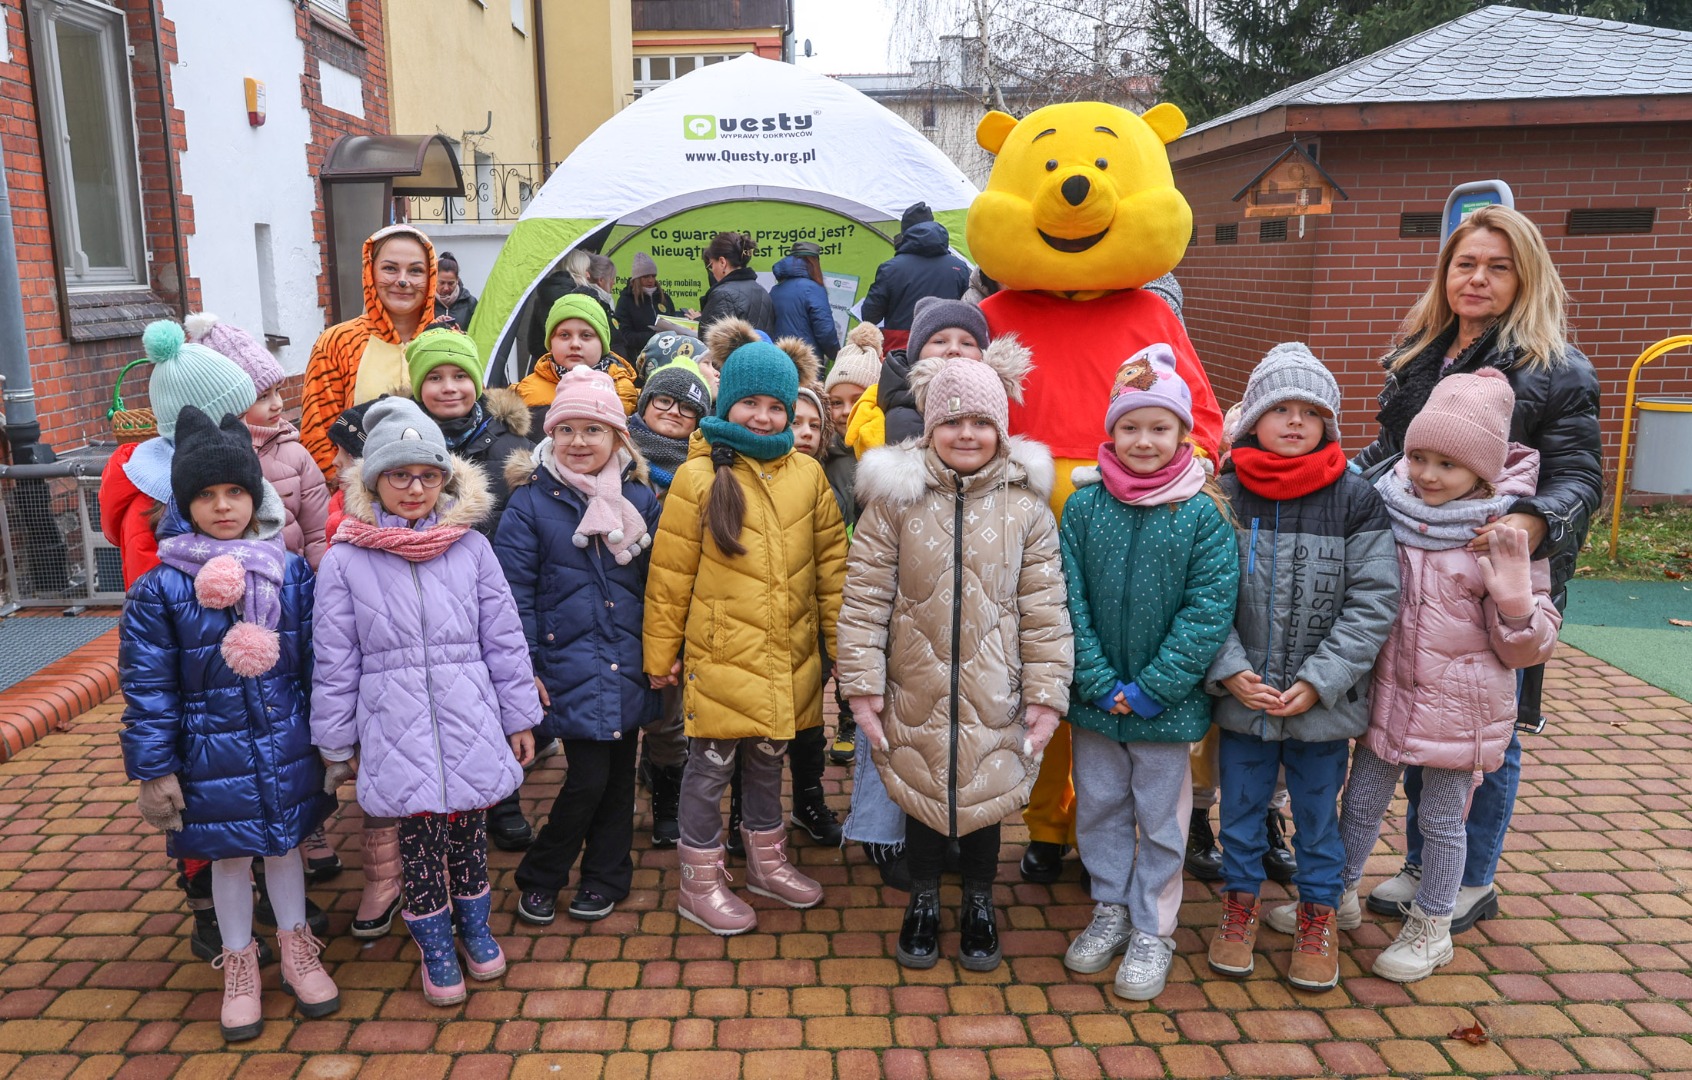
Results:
[1585, 972]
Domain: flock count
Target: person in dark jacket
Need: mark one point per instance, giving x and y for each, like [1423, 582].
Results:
[482, 426]
[922, 265]
[735, 292]
[214, 661]
[573, 544]
[452, 299]
[642, 303]
[801, 301]
[1496, 301]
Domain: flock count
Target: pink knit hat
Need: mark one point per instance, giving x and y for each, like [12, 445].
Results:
[948, 389]
[1146, 380]
[239, 346]
[1467, 419]
[586, 394]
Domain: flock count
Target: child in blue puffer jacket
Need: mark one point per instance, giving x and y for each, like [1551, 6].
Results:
[214, 664]
[573, 542]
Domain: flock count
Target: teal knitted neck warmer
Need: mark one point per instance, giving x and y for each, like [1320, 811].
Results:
[719, 432]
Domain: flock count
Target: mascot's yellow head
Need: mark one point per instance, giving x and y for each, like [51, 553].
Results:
[1081, 198]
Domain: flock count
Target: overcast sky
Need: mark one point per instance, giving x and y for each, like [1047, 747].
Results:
[846, 38]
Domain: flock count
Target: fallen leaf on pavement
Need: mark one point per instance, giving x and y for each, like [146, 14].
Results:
[1474, 1036]
[1680, 622]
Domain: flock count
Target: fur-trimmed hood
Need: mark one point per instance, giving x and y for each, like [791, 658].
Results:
[507, 406]
[900, 475]
[467, 489]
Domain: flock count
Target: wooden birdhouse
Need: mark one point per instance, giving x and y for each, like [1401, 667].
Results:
[1292, 185]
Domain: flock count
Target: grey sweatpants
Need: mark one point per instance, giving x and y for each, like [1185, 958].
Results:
[1445, 805]
[710, 763]
[1133, 805]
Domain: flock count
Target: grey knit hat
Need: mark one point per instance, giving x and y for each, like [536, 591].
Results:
[643, 266]
[1290, 372]
[934, 315]
[399, 433]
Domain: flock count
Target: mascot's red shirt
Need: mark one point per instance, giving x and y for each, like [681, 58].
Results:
[1078, 345]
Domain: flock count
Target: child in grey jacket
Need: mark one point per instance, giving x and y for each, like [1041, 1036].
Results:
[1318, 593]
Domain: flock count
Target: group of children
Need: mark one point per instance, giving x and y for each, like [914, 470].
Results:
[702, 537]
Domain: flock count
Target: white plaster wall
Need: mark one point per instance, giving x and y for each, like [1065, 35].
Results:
[240, 176]
[476, 247]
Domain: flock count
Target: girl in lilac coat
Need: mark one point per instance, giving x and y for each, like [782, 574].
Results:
[423, 688]
[1475, 610]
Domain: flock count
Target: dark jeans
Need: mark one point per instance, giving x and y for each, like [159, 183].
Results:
[1315, 774]
[595, 808]
[925, 853]
[442, 856]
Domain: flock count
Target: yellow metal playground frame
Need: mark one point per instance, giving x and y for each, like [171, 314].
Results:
[1661, 348]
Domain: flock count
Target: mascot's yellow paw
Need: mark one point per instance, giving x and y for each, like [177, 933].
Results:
[1081, 198]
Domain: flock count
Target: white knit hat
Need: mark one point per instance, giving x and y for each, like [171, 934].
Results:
[859, 360]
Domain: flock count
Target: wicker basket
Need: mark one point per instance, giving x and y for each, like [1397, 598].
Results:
[130, 425]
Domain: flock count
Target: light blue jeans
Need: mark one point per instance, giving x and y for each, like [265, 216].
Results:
[874, 818]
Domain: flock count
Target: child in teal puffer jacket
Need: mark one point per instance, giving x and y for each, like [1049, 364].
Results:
[1153, 573]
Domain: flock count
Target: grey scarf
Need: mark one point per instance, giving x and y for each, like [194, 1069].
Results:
[1435, 528]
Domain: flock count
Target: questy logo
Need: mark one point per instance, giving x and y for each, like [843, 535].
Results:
[699, 127]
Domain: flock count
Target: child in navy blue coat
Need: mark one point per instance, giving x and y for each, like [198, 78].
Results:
[573, 542]
[214, 663]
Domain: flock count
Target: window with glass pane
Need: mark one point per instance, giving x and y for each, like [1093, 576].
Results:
[89, 145]
[660, 68]
[334, 7]
[684, 64]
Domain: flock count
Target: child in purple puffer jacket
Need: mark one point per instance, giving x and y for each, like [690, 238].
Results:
[423, 688]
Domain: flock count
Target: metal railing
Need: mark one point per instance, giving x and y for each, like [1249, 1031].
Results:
[51, 550]
[494, 193]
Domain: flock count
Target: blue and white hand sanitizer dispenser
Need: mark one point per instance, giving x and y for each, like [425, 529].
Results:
[1465, 199]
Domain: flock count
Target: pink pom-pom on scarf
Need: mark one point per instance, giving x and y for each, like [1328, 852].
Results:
[249, 649]
[220, 583]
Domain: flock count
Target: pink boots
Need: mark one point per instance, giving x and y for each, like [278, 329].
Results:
[314, 992]
[381, 883]
[768, 873]
[243, 1014]
[705, 899]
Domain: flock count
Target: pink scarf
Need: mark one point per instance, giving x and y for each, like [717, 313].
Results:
[413, 545]
[1179, 480]
[609, 515]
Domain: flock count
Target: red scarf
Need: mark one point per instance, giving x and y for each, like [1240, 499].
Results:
[413, 545]
[1275, 477]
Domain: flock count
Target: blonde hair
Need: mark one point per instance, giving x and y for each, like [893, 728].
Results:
[1535, 323]
[579, 265]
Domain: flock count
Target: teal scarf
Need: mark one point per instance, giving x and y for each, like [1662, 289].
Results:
[743, 440]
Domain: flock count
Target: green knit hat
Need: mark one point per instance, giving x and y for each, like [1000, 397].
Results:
[186, 374]
[583, 307]
[757, 368]
[442, 345]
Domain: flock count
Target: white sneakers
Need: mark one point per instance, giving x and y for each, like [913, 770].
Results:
[1348, 916]
[1393, 896]
[1423, 947]
[1106, 936]
[1145, 967]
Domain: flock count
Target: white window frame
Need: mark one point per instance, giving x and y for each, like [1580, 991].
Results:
[108, 23]
[337, 8]
[645, 84]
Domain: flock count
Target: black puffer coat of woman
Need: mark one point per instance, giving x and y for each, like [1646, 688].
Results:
[737, 295]
[1556, 414]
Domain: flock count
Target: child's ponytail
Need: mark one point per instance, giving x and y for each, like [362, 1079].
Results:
[725, 503]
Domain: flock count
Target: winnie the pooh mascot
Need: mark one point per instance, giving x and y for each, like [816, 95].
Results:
[1080, 212]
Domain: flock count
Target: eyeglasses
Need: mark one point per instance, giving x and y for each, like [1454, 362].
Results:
[666, 403]
[591, 434]
[402, 480]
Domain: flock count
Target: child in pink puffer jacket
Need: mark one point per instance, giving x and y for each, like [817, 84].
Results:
[1475, 610]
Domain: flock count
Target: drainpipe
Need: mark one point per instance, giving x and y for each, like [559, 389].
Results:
[17, 393]
[542, 115]
[172, 186]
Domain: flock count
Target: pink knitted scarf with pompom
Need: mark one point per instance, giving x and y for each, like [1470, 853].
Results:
[229, 572]
[413, 545]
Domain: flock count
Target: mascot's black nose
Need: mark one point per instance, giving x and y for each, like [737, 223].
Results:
[1075, 190]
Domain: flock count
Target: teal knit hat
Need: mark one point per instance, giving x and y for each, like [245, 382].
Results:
[583, 307]
[757, 368]
[442, 345]
[186, 374]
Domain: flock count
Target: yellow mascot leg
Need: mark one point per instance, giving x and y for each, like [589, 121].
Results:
[1203, 759]
[1050, 815]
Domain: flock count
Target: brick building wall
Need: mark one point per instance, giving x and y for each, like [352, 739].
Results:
[74, 370]
[1344, 287]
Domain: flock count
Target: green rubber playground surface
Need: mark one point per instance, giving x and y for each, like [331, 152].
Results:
[1626, 623]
